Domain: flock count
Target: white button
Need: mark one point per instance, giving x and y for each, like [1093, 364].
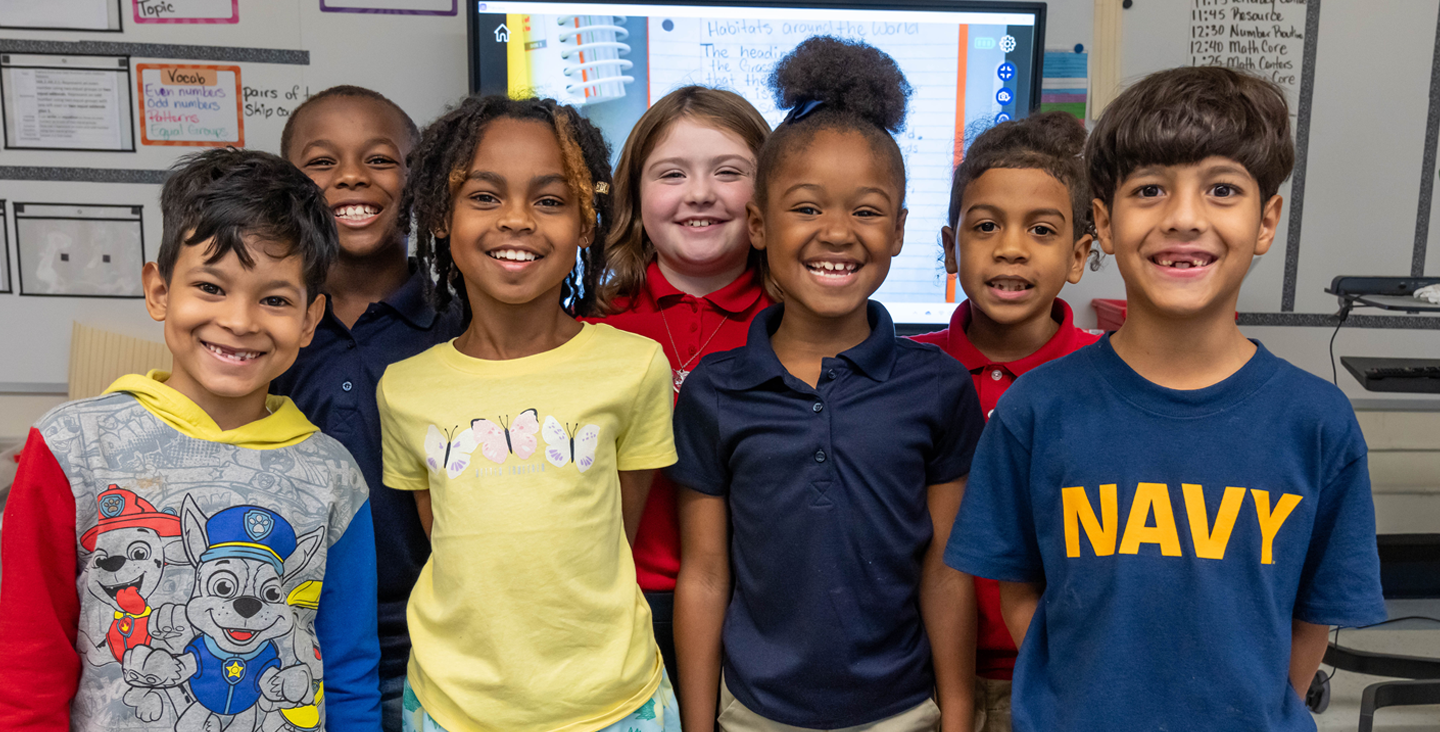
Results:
[996, 374]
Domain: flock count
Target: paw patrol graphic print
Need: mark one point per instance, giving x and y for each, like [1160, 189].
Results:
[201, 565]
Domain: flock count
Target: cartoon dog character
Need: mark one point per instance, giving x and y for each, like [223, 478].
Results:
[232, 667]
[306, 645]
[130, 547]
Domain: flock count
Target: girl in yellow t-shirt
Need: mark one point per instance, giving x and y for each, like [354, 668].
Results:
[529, 441]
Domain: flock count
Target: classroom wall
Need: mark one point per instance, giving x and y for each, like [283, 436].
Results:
[418, 61]
[1364, 161]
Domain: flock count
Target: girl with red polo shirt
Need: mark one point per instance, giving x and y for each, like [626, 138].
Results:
[680, 270]
[1019, 230]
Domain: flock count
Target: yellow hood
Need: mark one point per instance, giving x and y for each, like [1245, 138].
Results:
[284, 427]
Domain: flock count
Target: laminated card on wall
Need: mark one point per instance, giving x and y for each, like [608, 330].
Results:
[186, 11]
[71, 102]
[185, 104]
[87, 15]
[79, 250]
[5, 286]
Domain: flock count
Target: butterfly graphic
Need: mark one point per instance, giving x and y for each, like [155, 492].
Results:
[497, 441]
[562, 446]
[452, 455]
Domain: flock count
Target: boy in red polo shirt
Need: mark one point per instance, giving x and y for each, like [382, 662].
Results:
[1018, 232]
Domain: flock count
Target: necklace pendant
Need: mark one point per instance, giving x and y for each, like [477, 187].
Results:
[679, 379]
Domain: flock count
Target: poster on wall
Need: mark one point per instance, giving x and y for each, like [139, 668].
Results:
[392, 7]
[186, 11]
[86, 15]
[186, 104]
[71, 102]
[79, 250]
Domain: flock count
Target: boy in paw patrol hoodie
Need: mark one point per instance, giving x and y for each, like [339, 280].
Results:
[178, 551]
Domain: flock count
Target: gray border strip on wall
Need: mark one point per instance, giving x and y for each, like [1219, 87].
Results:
[1427, 166]
[158, 50]
[1318, 320]
[82, 175]
[1302, 148]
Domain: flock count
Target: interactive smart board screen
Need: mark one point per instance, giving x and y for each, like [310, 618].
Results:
[971, 65]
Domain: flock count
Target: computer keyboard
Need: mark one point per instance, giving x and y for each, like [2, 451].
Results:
[1409, 372]
[1408, 375]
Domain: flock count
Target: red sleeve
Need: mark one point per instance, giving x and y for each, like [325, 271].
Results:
[39, 608]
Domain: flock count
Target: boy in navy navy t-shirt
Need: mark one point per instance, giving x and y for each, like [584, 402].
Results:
[1175, 515]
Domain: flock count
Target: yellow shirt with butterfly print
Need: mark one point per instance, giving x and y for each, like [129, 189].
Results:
[527, 616]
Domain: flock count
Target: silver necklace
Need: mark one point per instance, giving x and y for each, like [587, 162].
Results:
[678, 375]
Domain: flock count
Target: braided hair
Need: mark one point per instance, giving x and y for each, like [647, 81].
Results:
[441, 161]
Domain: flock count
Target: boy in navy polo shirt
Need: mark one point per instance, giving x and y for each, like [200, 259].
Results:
[836, 451]
[1019, 230]
[1175, 515]
[353, 142]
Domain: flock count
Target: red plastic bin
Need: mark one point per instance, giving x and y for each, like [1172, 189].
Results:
[1109, 314]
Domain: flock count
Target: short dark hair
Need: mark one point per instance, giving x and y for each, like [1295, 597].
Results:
[226, 195]
[1050, 141]
[344, 91]
[852, 85]
[1182, 116]
[438, 167]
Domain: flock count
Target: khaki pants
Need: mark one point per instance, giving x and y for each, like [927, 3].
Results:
[992, 705]
[736, 717]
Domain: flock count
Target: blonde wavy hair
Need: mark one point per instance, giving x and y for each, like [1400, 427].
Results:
[628, 250]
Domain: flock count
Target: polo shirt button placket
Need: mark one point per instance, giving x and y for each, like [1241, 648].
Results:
[997, 375]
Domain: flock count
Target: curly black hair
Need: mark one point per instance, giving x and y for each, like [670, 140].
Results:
[857, 87]
[441, 161]
[1050, 141]
[225, 196]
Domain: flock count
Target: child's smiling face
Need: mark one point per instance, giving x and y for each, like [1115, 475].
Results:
[1014, 246]
[232, 328]
[832, 222]
[515, 225]
[693, 192]
[354, 148]
[1184, 236]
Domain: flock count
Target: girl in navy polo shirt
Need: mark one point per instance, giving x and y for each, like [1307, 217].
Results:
[822, 464]
[680, 271]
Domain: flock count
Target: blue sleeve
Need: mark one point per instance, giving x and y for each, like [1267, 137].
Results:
[700, 466]
[994, 533]
[1340, 583]
[955, 450]
[347, 629]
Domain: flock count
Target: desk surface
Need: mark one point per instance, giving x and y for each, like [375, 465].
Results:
[1411, 638]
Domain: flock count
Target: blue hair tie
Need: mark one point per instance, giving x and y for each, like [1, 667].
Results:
[801, 111]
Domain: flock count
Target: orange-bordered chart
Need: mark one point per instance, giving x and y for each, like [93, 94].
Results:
[189, 104]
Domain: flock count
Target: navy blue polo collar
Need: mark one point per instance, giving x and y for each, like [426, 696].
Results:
[409, 301]
[874, 356]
